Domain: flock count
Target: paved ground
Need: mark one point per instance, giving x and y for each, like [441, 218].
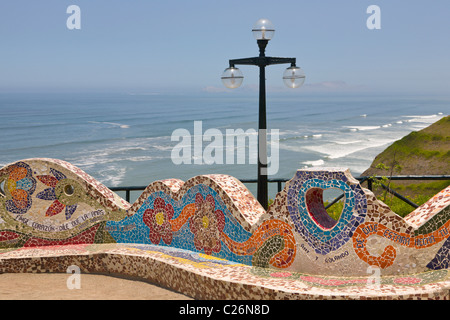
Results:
[92, 287]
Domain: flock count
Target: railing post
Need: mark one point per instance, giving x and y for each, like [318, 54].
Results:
[369, 184]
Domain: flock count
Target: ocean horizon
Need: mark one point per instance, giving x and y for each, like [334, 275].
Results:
[124, 139]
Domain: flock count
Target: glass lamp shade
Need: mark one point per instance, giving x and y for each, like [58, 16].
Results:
[263, 30]
[232, 77]
[294, 77]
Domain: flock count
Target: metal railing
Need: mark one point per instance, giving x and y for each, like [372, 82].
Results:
[370, 180]
[128, 190]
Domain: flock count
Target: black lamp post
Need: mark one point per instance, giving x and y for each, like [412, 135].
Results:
[293, 77]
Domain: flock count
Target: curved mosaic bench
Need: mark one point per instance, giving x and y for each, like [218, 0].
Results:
[210, 239]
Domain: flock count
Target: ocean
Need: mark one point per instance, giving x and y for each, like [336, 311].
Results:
[126, 139]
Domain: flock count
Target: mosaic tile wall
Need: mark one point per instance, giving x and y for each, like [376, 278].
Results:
[47, 202]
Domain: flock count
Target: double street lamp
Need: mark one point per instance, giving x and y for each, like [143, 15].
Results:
[293, 77]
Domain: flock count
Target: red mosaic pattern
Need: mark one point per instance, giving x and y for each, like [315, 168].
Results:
[207, 224]
[158, 220]
[86, 237]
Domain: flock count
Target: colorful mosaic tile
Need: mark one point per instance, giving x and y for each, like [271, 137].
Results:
[208, 237]
[305, 205]
[20, 186]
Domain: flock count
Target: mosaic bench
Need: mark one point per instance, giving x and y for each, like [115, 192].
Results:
[209, 238]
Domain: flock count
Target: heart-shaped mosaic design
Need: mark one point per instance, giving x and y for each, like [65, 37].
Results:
[316, 209]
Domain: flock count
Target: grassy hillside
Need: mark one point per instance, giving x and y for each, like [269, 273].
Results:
[424, 152]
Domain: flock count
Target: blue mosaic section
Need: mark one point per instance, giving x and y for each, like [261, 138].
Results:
[310, 224]
[353, 214]
[134, 230]
[442, 258]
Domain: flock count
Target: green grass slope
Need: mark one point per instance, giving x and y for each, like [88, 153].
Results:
[424, 152]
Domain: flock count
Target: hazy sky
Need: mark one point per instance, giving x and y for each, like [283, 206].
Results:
[147, 46]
